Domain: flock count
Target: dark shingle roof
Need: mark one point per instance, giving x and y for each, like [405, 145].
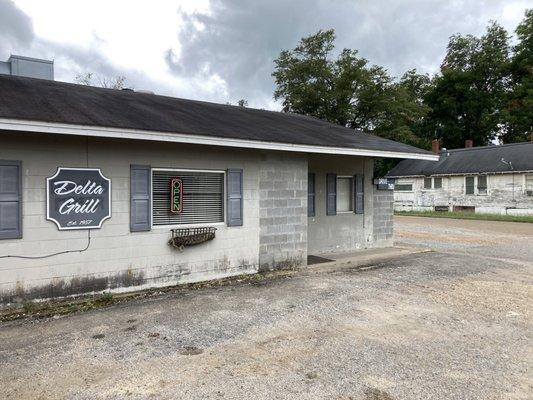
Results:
[59, 102]
[472, 160]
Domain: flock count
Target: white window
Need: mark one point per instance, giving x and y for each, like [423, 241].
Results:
[477, 185]
[344, 194]
[432, 183]
[469, 184]
[482, 184]
[529, 185]
[203, 197]
[403, 187]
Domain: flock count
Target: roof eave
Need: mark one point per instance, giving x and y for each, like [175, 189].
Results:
[524, 171]
[136, 134]
[404, 176]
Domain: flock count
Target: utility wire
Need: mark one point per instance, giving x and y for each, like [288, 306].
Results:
[54, 254]
[66, 251]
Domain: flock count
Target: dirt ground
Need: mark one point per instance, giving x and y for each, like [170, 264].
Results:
[455, 323]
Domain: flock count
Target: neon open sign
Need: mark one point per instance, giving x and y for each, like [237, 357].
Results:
[176, 195]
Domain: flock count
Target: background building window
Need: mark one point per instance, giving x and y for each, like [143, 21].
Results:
[482, 184]
[203, 198]
[469, 185]
[529, 185]
[437, 183]
[403, 187]
[344, 194]
[427, 183]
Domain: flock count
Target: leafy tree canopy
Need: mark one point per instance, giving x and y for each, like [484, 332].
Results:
[468, 98]
[347, 90]
[519, 123]
[484, 90]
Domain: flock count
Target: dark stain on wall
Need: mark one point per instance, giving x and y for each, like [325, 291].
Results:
[173, 274]
[287, 264]
[244, 265]
[76, 286]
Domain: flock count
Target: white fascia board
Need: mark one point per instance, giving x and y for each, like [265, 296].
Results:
[135, 134]
[405, 176]
[528, 171]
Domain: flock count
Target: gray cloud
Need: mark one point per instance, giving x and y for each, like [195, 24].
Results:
[17, 37]
[70, 61]
[239, 39]
[16, 29]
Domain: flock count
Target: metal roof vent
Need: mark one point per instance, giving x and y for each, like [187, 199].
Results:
[28, 67]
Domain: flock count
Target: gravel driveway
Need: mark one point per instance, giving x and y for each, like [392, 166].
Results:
[451, 324]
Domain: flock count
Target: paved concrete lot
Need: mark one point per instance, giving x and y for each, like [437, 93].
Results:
[451, 324]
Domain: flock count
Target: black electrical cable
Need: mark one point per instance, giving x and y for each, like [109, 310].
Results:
[65, 251]
[54, 254]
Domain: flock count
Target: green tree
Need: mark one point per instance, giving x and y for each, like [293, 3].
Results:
[404, 114]
[520, 102]
[346, 90]
[484, 90]
[469, 97]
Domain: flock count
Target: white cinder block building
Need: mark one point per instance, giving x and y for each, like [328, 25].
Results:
[119, 190]
[491, 179]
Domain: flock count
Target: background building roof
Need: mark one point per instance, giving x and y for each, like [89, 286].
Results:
[64, 103]
[471, 161]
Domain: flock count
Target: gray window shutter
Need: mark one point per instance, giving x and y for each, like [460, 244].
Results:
[331, 194]
[140, 191]
[359, 194]
[10, 199]
[234, 197]
[311, 194]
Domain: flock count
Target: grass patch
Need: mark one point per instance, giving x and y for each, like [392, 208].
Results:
[467, 215]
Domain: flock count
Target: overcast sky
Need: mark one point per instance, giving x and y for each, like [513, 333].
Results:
[223, 50]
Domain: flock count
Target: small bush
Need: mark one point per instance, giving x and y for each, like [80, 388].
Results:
[107, 297]
[29, 307]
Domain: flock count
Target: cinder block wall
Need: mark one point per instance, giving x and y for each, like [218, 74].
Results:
[275, 234]
[383, 217]
[282, 210]
[118, 259]
[345, 231]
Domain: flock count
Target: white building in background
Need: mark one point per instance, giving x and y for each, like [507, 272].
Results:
[491, 179]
